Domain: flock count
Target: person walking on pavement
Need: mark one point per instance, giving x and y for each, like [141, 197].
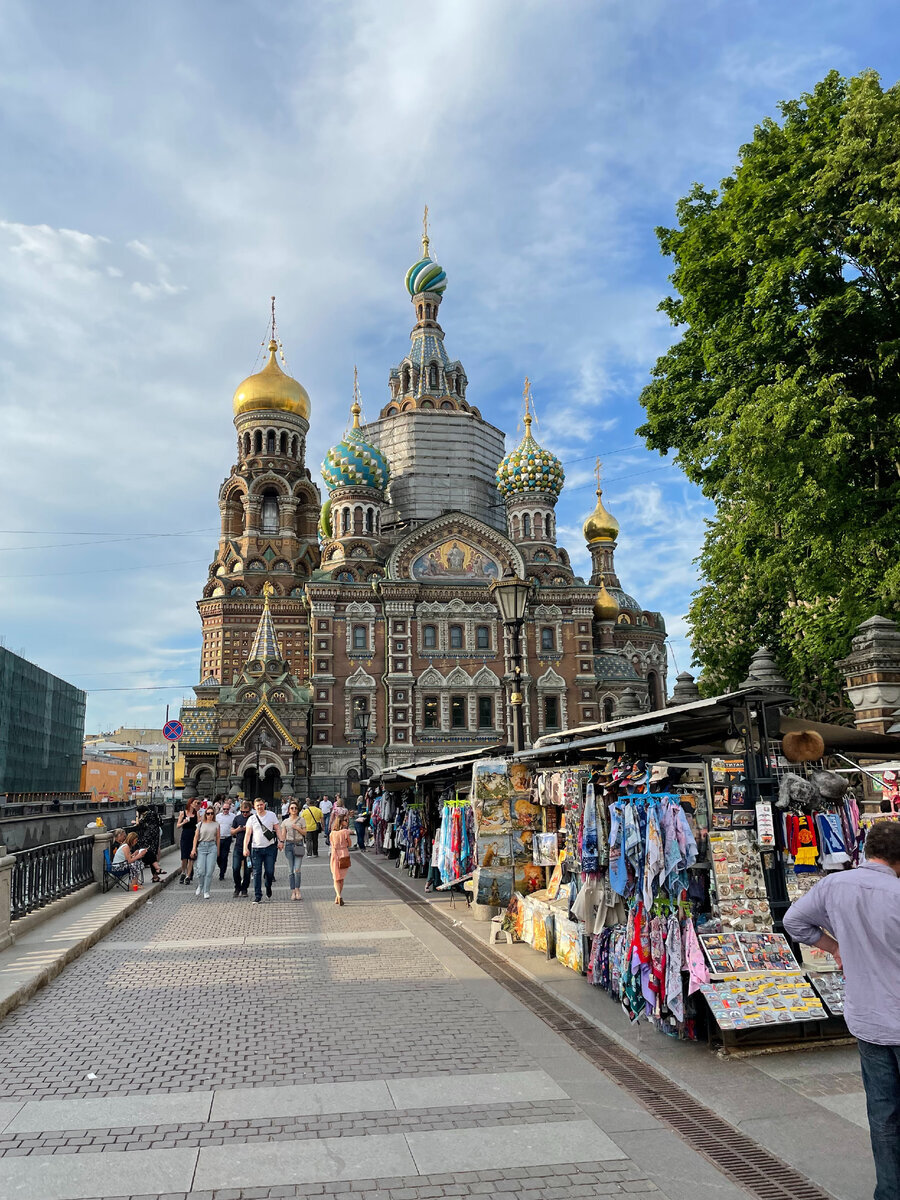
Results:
[325, 806]
[855, 915]
[187, 823]
[240, 865]
[361, 822]
[261, 847]
[225, 821]
[312, 816]
[340, 853]
[295, 843]
[206, 850]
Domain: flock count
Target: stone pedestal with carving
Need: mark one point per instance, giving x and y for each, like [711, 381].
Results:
[872, 674]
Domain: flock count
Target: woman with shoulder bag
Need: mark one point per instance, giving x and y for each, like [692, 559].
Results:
[293, 841]
[340, 854]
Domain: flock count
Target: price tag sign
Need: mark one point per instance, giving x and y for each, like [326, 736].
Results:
[765, 823]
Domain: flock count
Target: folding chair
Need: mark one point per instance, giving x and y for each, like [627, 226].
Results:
[112, 879]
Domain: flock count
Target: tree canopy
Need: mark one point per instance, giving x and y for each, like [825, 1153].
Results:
[782, 397]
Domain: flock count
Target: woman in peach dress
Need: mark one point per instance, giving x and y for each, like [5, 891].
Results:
[340, 853]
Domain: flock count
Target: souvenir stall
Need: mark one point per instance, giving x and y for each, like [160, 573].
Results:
[671, 877]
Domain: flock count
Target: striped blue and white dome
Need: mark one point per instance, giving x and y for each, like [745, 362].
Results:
[353, 462]
[426, 276]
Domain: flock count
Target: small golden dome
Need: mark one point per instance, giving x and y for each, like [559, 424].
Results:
[605, 607]
[271, 390]
[601, 525]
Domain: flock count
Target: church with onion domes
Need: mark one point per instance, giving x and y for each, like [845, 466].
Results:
[374, 597]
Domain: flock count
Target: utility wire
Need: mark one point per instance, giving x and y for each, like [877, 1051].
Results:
[109, 570]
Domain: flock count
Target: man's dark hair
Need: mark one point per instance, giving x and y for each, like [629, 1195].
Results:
[883, 841]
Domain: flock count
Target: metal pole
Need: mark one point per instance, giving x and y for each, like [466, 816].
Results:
[363, 769]
[516, 697]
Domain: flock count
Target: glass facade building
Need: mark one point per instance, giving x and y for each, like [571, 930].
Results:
[41, 728]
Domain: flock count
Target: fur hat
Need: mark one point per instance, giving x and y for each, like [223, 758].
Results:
[829, 784]
[803, 746]
[796, 790]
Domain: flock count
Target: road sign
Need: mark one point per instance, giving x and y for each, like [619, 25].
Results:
[173, 730]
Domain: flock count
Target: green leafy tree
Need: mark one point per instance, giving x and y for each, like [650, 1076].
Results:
[782, 398]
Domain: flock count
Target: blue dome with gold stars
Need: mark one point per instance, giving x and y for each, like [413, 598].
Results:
[530, 468]
[353, 462]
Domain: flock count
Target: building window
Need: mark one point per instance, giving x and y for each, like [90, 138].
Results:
[609, 707]
[429, 637]
[483, 637]
[526, 525]
[485, 712]
[457, 712]
[432, 712]
[360, 637]
[551, 712]
[456, 637]
[548, 638]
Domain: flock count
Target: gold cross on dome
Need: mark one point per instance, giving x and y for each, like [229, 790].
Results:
[598, 471]
[426, 241]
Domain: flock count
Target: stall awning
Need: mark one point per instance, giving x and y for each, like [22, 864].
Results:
[587, 743]
[445, 763]
[846, 737]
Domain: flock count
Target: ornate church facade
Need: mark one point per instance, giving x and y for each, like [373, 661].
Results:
[377, 600]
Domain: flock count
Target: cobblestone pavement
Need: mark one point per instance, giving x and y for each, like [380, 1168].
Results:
[223, 1049]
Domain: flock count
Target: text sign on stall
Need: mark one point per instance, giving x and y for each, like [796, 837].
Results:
[765, 824]
[173, 730]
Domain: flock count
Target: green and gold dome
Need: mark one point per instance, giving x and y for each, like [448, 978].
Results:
[530, 468]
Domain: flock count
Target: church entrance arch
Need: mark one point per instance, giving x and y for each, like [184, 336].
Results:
[266, 784]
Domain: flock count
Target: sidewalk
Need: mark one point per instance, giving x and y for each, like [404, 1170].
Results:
[223, 1050]
[806, 1106]
[39, 955]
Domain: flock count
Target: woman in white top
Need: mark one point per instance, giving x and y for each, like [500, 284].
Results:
[127, 860]
[206, 849]
[293, 840]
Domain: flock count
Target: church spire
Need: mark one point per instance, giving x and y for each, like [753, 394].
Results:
[265, 642]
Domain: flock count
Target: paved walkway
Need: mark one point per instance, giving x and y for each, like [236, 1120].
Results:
[222, 1049]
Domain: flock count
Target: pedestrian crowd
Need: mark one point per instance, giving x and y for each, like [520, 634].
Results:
[214, 834]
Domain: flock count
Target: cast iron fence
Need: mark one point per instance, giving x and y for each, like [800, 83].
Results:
[46, 873]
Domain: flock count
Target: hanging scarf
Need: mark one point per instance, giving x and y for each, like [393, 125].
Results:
[590, 858]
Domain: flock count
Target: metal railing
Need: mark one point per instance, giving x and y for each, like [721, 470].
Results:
[46, 873]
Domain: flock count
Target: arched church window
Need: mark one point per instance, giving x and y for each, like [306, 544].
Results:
[370, 521]
[257, 441]
[538, 523]
[526, 525]
[432, 376]
[246, 443]
[358, 519]
[656, 697]
[270, 441]
[345, 520]
[294, 446]
[456, 637]
[270, 519]
[459, 385]
[447, 405]
[405, 380]
[283, 443]
[429, 637]
[609, 707]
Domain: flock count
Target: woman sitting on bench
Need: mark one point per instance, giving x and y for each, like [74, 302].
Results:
[126, 860]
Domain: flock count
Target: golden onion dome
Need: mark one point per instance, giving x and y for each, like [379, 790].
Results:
[271, 390]
[605, 607]
[601, 525]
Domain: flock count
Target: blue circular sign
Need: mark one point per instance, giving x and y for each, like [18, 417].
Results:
[173, 730]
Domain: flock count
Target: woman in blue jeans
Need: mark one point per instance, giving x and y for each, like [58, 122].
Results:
[206, 850]
[292, 836]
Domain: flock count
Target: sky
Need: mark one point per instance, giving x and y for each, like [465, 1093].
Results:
[167, 167]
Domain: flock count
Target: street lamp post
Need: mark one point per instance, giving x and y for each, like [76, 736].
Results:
[511, 594]
[363, 717]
